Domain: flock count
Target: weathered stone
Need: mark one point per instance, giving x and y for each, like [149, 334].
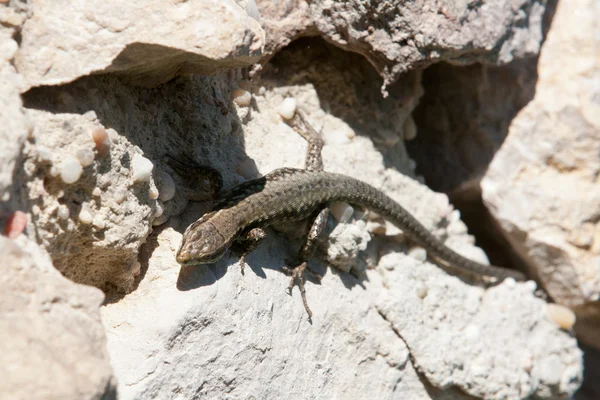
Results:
[52, 341]
[243, 336]
[398, 36]
[542, 186]
[13, 123]
[147, 42]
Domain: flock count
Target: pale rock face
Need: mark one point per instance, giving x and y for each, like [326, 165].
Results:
[147, 42]
[14, 125]
[394, 326]
[542, 186]
[394, 36]
[52, 340]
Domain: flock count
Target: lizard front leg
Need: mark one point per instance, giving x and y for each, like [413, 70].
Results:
[246, 243]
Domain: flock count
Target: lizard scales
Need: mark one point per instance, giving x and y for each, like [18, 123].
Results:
[289, 194]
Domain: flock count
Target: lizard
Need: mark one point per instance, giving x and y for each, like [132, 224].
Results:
[237, 220]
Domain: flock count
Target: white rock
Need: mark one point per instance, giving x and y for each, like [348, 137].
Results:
[70, 169]
[141, 168]
[166, 186]
[85, 157]
[160, 220]
[561, 316]
[85, 216]
[421, 290]
[287, 108]
[341, 211]
[159, 209]
[241, 97]
[98, 221]
[44, 154]
[90, 115]
[153, 193]
[418, 253]
[63, 212]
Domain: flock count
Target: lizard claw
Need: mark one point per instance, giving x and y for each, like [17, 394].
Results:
[297, 274]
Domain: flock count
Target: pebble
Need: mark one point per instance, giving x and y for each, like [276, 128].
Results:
[63, 212]
[90, 115]
[241, 97]
[102, 141]
[454, 216]
[96, 192]
[246, 168]
[70, 170]
[510, 282]
[142, 168]
[166, 186]
[99, 222]
[342, 212]
[421, 290]
[160, 220]
[112, 134]
[85, 217]
[136, 268]
[153, 193]
[85, 157]
[159, 209]
[44, 154]
[418, 253]
[530, 286]
[457, 228]
[287, 108]
[410, 129]
[561, 316]
[15, 225]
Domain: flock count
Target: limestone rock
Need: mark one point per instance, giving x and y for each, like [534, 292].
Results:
[52, 341]
[399, 36]
[542, 186]
[211, 331]
[148, 42]
[94, 226]
[13, 123]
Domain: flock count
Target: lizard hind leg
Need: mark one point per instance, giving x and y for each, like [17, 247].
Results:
[314, 160]
[297, 273]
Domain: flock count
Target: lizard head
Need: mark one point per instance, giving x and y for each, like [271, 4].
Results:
[202, 243]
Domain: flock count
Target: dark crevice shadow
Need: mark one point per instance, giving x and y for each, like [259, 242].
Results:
[463, 119]
[349, 88]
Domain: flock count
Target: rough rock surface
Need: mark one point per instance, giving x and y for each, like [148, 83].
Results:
[210, 331]
[148, 42]
[399, 36]
[394, 325]
[13, 123]
[52, 341]
[543, 188]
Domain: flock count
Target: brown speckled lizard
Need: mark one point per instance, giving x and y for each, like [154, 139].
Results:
[288, 194]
